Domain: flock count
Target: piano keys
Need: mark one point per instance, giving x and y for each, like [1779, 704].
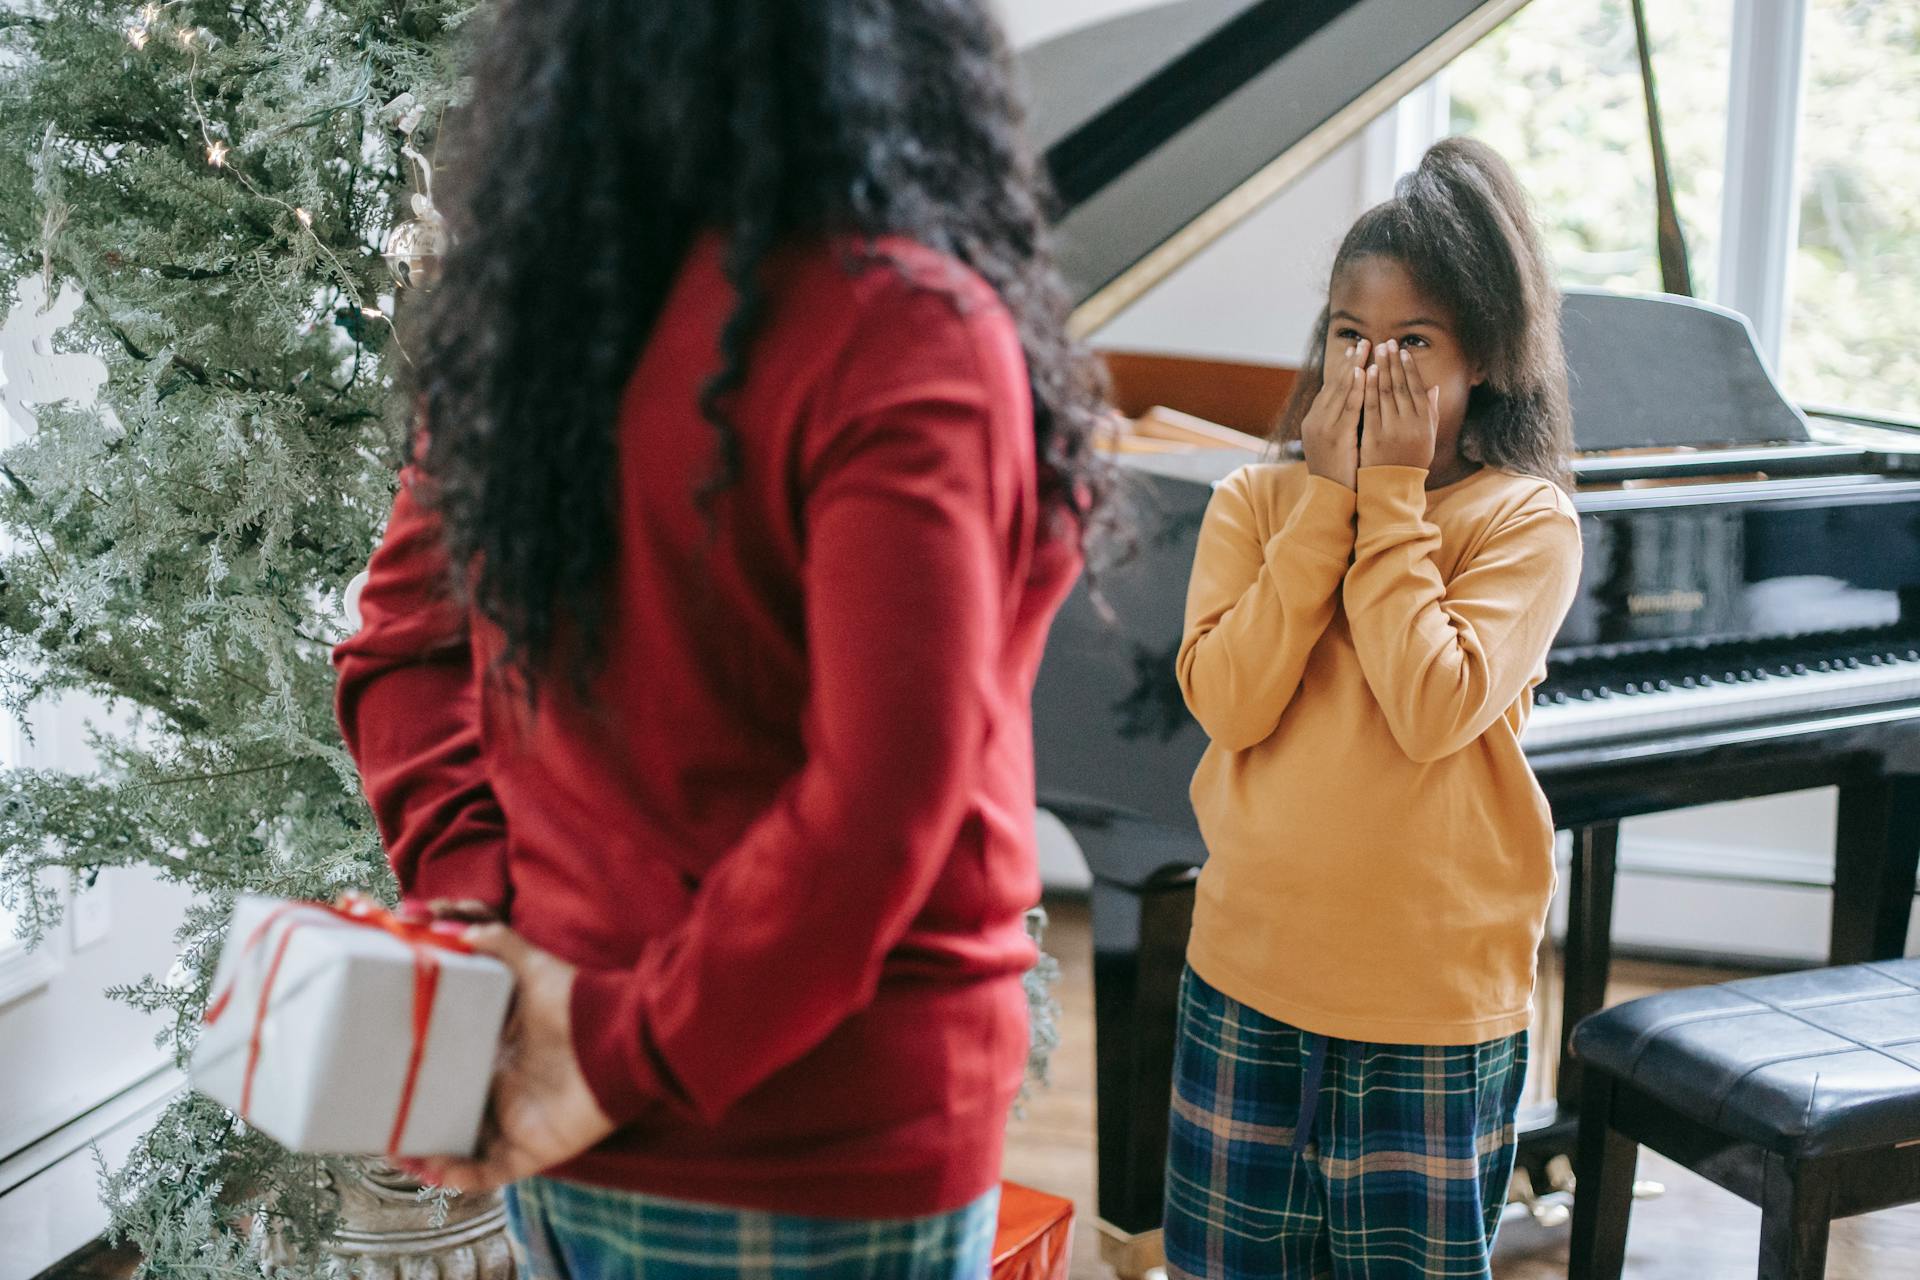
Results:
[1661, 691]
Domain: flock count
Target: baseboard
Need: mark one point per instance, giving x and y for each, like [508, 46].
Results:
[1719, 903]
[49, 1191]
[1641, 854]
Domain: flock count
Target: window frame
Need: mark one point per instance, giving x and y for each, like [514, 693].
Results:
[1760, 196]
[1395, 141]
[1760, 202]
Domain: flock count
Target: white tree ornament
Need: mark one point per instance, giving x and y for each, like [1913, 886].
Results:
[31, 372]
[350, 603]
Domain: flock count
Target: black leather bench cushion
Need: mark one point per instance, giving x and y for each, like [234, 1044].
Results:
[1806, 1064]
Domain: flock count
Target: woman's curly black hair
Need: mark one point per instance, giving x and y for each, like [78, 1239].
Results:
[602, 136]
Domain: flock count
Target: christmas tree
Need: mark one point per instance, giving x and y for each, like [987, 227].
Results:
[211, 186]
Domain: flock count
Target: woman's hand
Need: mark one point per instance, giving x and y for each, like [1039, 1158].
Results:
[460, 910]
[1330, 433]
[1402, 412]
[542, 1111]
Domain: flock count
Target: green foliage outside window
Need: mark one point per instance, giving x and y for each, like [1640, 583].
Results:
[1856, 277]
[1557, 90]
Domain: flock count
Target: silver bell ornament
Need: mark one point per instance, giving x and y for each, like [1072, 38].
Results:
[414, 247]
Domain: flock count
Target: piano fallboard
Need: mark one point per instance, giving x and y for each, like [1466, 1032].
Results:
[1752, 561]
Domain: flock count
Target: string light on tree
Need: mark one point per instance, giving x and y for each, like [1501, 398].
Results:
[217, 149]
[413, 252]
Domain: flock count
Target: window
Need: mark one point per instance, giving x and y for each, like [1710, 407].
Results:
[1557, 91]
[1855, 280]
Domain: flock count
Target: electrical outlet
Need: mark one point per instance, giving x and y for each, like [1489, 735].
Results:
[92, 914]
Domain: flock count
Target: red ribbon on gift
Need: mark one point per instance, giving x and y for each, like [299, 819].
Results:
[354, 910]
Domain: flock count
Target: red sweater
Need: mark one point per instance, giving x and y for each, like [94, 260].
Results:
[790, 841]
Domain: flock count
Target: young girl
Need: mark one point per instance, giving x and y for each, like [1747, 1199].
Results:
[1363, 634]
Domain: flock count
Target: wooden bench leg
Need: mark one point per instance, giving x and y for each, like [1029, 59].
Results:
[1603, 1185]
[1796, 1210]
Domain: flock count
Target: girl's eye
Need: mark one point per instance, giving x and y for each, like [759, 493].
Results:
[1413, 340]
[1347, 335]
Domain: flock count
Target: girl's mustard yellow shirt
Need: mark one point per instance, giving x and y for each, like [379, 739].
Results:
[1380, 857]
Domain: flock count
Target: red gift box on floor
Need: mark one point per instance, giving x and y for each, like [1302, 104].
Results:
[1035, 1236]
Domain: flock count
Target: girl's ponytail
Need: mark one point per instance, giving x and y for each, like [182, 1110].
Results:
[1461, 226]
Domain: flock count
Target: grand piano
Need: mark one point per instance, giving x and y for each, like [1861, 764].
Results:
[1748, 619]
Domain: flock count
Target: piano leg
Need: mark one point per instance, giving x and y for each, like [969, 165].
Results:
[1589, 950]
[1588, 960]
[1875, 849]
[1139, 953]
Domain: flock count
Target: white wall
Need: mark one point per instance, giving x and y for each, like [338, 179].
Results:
[1253, 294]
[76, 1068]
[66, 1050]
[64, 1046]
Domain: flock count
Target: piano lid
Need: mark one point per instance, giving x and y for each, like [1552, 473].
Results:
[1166, 126]
[1659, 371]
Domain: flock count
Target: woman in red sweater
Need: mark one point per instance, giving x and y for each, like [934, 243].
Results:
[698, 651]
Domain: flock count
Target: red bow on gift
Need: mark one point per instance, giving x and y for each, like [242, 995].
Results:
[354, 910]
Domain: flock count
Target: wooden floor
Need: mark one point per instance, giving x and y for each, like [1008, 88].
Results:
[1695, 1231]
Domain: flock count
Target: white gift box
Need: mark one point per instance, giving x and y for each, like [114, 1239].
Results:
[311, 1035]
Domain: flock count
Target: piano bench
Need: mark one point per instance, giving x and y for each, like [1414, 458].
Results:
[1798, 1092]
